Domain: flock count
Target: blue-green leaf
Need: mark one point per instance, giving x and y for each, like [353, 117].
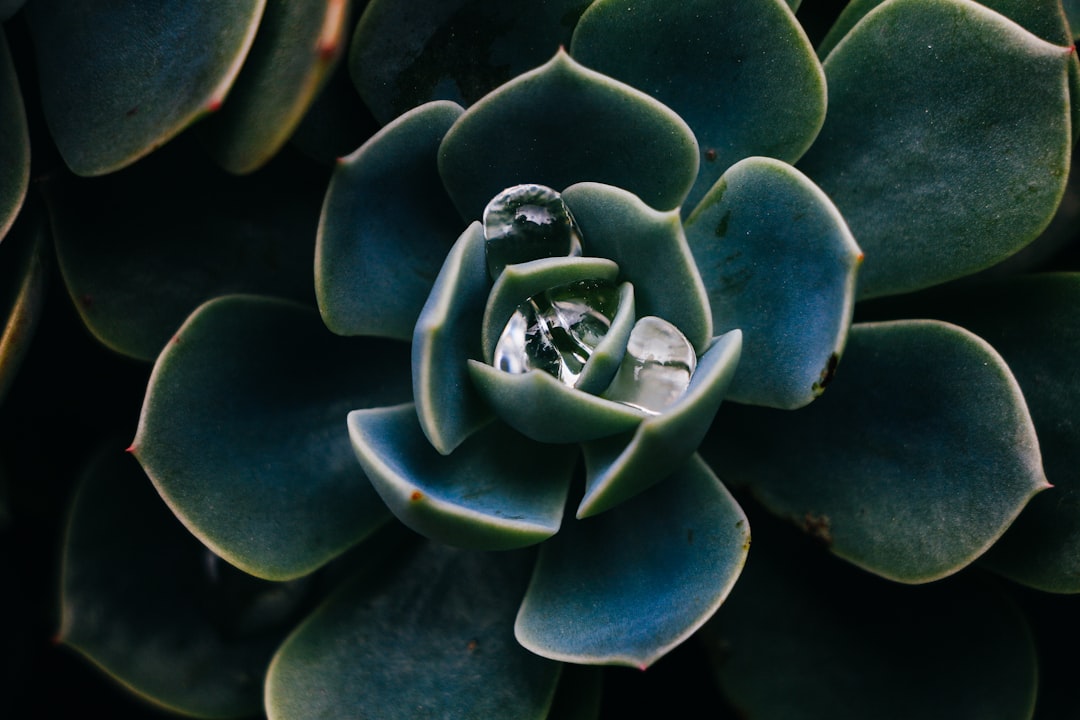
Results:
[433, 639]
[498, 490]
[628, 586]
[23, 270]
[780, 264]
[14, 142]
[386, 228]
[243, 432]
[743, 74]
[563, 123]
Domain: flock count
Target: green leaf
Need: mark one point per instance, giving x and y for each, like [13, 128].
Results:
[403, 55]
[497, 491]
[563, 123]
[622, 466]
[148, 604]
[297, 45]
[447, 335]
[917, 459]
[652, 253]
[780, 264]
[243, 432]
[947, 141]
[743, 75]
[599, 584]
[120, 79]
[433, 639]
[9, 8]
[386, 228]
[141, 249]
[14, 142]
[803, 637]
[23, 270]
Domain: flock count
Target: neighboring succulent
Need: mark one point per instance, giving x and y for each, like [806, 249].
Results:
[708, 201]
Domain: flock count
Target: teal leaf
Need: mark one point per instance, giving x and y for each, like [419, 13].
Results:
[519, 282]
[604, 131]
[497, 491]
[14, 142]
[115, 94]
[297, 45]
[152, 607]
[599, 585]
[542, 407]
[620, 467]
[652, 253]
[804, 637]
[946, 146]
[1072, 14]
[915, 462]
[386, 228]
[447, 335]
[24, 262]
[743, 75]
[140, 249]
[9, 8]
[433, 639]
[780, 264]
[403, 55]
[243, 432]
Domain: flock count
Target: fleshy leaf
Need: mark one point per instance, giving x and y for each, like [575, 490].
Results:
[148, 604]
[600, 584]
[517, 283]
[243, 433]
[297, 45]
[620, 467]
[447, 335]
[433, 639]
[743, 75]
[142, 248]
[403, 55]
[652, 253]
[14, 142]
[497, 491]
[386, 227]
[603, 131]
[804, 637]
[113, 95]
[547, 410]
[947, 142]
[780, 264]
[23, 267]
[917, 459]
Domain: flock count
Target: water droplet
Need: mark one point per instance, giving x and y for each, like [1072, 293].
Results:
[656, 369]
[528, 222]
[557, 330]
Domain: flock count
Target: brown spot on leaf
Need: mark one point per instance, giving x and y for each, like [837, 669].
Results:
[473, 644]
[818, 527]
[827, 374]
[710, 155]
[416, 495]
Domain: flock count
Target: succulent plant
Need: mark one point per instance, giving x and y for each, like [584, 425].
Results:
[613, 282]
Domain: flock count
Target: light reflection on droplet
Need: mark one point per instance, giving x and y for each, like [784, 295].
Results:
[656, 369]
[528, 222]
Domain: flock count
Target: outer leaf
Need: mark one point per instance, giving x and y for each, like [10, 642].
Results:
[447, 335]
[9, 8]
[915, 461]
[947, 141]
[113, 95]
[23, 263]
[599, 583]
[141, 249]
[780, 264]
[386, 227]
[432, 641]
[242, 432]
[804, 638]
[403, 55]
[297, 45]
[742, 74]
[490, 494]
[620, 467]
[148, 604]
[602, 131]
[652, 254]
[14, 142]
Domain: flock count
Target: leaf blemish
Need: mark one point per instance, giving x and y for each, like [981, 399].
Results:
[818, 527]
[827, 374]
[416, 495]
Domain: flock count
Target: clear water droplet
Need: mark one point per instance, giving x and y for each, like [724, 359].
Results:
[528, 222]
[656, 369]
[557, 330]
